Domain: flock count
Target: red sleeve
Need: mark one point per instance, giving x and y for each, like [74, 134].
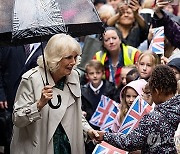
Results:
[136, 56]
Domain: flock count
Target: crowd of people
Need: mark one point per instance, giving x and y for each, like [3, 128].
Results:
[122, 69]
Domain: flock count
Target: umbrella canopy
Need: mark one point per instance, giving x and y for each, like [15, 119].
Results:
[31, 21]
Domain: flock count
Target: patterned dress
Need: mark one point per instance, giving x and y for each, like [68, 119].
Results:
[60, 139]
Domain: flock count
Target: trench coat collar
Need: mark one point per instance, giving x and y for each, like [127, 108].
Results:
[55, 115]
[71, 80]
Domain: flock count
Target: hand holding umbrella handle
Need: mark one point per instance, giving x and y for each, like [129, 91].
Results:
[58, 96]
[57, 105]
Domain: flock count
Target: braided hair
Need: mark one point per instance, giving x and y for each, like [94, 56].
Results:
[163, 79]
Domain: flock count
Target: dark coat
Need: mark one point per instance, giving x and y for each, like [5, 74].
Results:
[30, 63]
[155, 133]
[90, 100]
[12, 61]
[171, 28]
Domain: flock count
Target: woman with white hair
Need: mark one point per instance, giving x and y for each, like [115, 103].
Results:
[39, 129]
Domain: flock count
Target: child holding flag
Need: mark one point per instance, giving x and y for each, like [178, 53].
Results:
[92, 92]
[127, 97]
[96, 86]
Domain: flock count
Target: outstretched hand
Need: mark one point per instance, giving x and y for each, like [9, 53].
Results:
[101, 134]
[95, 135]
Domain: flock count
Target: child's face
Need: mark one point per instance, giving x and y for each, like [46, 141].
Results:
[145, 67]
[130, 96]
[123, 75]
[176, 72]
[94, 76]
[146, 95]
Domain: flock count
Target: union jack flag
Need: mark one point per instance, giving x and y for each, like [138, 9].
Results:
[105, 148]
[137, 110]
[105, 113]
[157, 43]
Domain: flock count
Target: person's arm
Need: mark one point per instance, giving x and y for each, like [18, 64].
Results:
[135, 140]
[134, 5]
[114, 19]
[171, 28]
[88, 130]
[26, 109]
[160, 4]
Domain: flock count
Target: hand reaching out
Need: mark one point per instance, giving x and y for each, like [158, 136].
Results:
[101, 134]
[95, 135]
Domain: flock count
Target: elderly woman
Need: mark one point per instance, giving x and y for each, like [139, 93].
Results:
[38, 128]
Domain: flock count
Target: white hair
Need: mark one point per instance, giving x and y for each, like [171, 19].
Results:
[59, 46]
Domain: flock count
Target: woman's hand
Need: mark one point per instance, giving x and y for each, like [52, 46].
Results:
[101, 134]
[93, 134]
[134, 5]
[122, 9]
[84, 113]
[46, 95]
[160, 4]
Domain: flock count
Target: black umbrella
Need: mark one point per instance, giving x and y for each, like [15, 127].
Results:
[30, 21]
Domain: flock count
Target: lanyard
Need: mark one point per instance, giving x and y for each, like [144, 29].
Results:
[120, 63]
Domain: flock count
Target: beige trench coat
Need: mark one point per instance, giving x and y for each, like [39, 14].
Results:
[33, 130]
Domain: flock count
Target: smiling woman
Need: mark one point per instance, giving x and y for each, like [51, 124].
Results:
[37, 127]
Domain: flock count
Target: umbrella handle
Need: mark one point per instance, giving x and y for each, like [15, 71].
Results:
[45, 71]
[57, 105]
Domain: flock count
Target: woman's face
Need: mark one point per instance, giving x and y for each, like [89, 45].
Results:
[66, 64]
[127, 18]
[145, 67]
[130, 96]
[111, 41]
